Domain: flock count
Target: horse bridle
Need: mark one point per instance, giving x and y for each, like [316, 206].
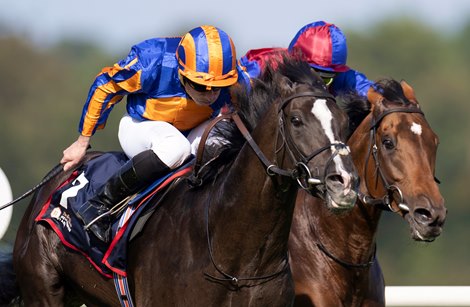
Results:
[272, 169]
[391, 190]
[301, 172]
[385, 202]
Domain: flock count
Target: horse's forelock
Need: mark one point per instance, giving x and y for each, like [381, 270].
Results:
[392, 91]
[358, 107]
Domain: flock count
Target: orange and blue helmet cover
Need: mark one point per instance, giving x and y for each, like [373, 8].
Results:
[206, 55]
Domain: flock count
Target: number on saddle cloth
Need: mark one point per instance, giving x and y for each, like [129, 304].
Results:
[92, 176]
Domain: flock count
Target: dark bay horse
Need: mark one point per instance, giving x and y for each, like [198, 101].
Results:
[222, 243]
[394, 149]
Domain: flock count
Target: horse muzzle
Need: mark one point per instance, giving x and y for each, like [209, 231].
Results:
[341, 190]
[426, 221]
[338, 190]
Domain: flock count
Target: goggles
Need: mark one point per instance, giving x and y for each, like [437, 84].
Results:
[326, 76]
[327, 80]
[200, 87]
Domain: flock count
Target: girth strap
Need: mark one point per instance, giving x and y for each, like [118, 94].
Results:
[122, 289]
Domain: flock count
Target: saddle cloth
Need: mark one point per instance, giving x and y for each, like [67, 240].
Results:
[58, 212]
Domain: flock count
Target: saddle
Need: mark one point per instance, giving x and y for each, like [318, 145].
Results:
[58, 211]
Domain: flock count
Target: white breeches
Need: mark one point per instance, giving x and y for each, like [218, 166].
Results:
[168, 143]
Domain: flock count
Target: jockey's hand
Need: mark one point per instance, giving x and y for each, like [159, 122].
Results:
[75, 152]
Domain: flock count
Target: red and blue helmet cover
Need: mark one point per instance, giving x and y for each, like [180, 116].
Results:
[323, 45]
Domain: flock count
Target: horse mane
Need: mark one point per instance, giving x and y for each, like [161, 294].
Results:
[252, 102]
[358, 107]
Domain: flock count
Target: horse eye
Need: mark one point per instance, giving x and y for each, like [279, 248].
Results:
[296, 121]
[388, 144]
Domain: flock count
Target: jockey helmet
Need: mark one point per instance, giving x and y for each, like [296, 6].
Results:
[323, 46]
[206, 56]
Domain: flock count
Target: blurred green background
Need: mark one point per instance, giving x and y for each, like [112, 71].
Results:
[42, 91]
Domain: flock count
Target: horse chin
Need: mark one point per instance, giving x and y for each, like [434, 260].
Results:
[336, 201]
[341, 202]
[421, 233]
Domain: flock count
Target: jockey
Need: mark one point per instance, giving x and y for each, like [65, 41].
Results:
[323, 45]
[174, 86]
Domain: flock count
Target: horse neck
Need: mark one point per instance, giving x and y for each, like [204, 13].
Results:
[253, 213]
[362, 221]
[348, 236]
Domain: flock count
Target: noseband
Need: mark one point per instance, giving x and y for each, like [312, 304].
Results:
[393, 192]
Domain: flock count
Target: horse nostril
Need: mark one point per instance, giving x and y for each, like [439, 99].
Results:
[339, 182]
[440, 219]
[422, 215]
[335, 178]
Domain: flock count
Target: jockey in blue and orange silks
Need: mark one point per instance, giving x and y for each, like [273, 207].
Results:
[174, 86]
[323, 45]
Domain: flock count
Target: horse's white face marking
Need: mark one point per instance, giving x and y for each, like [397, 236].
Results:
[416, 129]
[321, 111]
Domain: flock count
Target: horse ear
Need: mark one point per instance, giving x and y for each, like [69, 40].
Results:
[286, 85]
[408, 91]
[375, 98]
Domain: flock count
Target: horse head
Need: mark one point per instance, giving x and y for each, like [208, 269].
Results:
[398, 171]
[312, 132]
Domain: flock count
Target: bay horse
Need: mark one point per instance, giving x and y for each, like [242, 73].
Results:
[333, 257]
[222, 242]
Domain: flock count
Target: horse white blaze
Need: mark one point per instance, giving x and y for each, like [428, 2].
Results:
[321, 111]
